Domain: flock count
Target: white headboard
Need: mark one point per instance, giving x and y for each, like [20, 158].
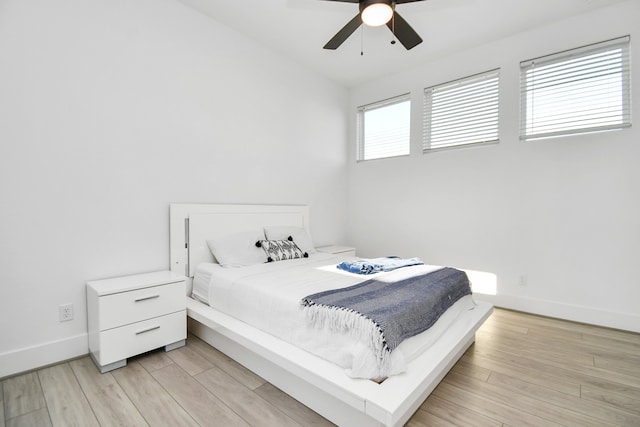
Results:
[191, 225]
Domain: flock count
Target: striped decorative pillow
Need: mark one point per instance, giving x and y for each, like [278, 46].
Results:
[279, 250]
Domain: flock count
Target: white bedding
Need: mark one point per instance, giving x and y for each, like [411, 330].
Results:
[267, 296]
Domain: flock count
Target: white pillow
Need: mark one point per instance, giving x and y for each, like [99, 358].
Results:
[298, 234]
[238, 249]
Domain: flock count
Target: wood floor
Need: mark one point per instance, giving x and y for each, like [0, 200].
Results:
[523, 370]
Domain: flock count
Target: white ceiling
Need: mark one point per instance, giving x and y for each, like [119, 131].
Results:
[299, 29]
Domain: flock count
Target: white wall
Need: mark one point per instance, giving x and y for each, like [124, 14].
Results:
[112, 109]
[564, 212]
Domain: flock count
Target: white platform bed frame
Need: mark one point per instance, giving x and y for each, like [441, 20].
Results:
[320, 385]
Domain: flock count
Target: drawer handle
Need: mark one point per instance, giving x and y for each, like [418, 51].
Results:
[147, 298]
[148, 330]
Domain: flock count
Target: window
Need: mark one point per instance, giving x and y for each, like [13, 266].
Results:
[576, 91]
[384, 128]
[462, 112]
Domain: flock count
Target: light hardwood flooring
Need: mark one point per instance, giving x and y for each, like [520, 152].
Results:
[523, 370]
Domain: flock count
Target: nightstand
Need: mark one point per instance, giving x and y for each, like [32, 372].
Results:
[130, 315]
[338, 250]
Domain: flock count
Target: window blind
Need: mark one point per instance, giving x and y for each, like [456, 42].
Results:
[384, 128]
[576, 91]
[462, 112]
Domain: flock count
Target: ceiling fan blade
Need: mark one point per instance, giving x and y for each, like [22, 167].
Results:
[397, 1]
[344, 33]
[403, 31]
[351, 1]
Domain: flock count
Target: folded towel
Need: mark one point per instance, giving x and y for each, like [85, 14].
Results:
[376, 265]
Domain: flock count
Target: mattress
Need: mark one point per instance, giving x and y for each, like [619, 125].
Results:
[267, 296]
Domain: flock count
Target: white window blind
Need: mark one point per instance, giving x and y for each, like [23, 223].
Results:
[462, 112]
[577, 91]
[384, 128]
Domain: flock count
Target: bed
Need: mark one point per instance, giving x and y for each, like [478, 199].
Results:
[318, 383]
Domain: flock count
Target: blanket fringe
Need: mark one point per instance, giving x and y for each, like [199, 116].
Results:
[340, 319]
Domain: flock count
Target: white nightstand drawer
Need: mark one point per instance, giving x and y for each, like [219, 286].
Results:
[128, 307]
[119, 343]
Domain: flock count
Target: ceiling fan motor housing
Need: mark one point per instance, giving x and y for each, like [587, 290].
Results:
[366, 3]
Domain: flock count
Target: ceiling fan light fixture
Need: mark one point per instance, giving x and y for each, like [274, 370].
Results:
[377, 14]
[400, 28]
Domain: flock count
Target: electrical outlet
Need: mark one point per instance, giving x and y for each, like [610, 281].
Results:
[65, 312]
[522, 280]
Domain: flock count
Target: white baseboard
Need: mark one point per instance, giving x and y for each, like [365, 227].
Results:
[37, 356]
[624, 321]
[27, 359]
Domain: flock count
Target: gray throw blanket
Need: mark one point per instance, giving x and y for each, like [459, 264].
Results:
[387, 313]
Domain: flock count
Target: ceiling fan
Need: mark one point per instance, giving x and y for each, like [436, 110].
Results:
[376, 13]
